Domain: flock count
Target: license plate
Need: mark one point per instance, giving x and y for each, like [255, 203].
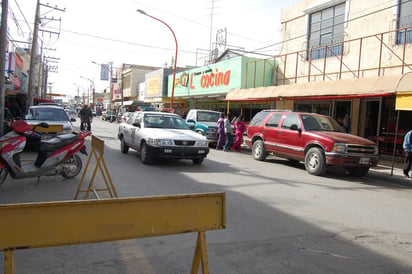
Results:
[364, 161]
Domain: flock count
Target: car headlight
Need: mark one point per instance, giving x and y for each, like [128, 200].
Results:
[339, 148]
[160, 142]
[203, 143]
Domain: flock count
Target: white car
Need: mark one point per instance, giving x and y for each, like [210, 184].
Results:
[161, 135]
[58, 120]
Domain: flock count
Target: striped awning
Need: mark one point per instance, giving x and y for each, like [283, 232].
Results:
[359, 87]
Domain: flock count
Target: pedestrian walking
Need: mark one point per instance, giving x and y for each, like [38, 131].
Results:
[240, 128]
[407, 147]
[228, 133]
[221, 132]
[86, 117]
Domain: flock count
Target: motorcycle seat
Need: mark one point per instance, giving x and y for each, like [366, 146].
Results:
[57, 142]
[47, 147]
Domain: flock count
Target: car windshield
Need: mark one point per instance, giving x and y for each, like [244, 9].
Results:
[320, 123]
[47, 114]
[206, 116]
[164, 121]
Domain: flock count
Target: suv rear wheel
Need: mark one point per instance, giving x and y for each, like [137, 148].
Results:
[258, 150]
[315, 162]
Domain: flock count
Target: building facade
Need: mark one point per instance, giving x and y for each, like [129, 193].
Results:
[346, 59]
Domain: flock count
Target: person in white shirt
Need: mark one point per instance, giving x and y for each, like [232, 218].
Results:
[228, 133]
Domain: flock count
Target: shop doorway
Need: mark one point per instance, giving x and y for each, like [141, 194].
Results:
[369, 123]
[342, 114]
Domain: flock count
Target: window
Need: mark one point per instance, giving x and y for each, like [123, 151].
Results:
[404, 21]
[274, 120]
[326, 27]
[291, 119]
[258, 118]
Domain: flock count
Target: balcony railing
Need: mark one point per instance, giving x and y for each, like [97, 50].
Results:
[387, 53]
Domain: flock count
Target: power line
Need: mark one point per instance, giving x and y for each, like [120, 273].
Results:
[195, 22]
[25, 20]
[122, 41]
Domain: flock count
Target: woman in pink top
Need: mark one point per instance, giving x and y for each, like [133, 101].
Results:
[240, 127]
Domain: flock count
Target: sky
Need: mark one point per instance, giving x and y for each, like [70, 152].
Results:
[81, 33]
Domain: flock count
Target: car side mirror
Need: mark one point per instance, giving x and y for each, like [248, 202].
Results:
[295, 127]
[136, 124]
[191, 124]
[72, 120]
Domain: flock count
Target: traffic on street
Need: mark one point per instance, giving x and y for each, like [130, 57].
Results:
[262, 137]
[278, 217]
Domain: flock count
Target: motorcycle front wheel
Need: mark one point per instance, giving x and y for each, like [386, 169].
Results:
[72, 166]
[3, 175]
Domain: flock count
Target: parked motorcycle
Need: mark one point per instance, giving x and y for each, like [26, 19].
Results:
[56, 156]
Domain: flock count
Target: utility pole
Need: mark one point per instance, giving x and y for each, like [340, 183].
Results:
[110, 83]
[30, 91]
[3, 35]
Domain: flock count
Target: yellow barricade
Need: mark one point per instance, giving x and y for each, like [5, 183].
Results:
[98, 154]
[92, 221]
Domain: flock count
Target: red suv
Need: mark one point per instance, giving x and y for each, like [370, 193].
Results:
[317, 140]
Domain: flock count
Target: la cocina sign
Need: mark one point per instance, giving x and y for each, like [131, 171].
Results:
[207, 80]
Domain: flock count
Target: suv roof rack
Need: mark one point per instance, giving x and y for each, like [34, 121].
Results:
[283, 110]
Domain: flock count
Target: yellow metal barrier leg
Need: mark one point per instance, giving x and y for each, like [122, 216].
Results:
[8, 262]
[97, 146]
[200, 254]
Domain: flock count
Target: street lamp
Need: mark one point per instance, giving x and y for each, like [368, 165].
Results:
[78, 92]
[94, 94]
[174, 69]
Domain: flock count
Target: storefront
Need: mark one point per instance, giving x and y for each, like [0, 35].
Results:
[364, 107]
[206, 87]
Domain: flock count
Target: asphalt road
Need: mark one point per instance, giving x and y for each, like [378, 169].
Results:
[280, 219]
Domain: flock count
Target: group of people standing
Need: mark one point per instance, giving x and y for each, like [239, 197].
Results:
[86, 118]
[224, 130]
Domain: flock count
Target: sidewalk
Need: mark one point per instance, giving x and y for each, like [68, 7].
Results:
[391, 168]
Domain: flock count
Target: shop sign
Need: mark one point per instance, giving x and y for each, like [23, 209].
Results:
[205, 79]
[153, 85]
[216, 78]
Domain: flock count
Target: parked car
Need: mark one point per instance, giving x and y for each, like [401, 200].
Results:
[125, 116]
[317, 140]
[161, 135]
[109, 115]
[204, 122]
[58, 120]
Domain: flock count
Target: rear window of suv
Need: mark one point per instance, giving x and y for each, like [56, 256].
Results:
[259, 118]
[274, 120]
